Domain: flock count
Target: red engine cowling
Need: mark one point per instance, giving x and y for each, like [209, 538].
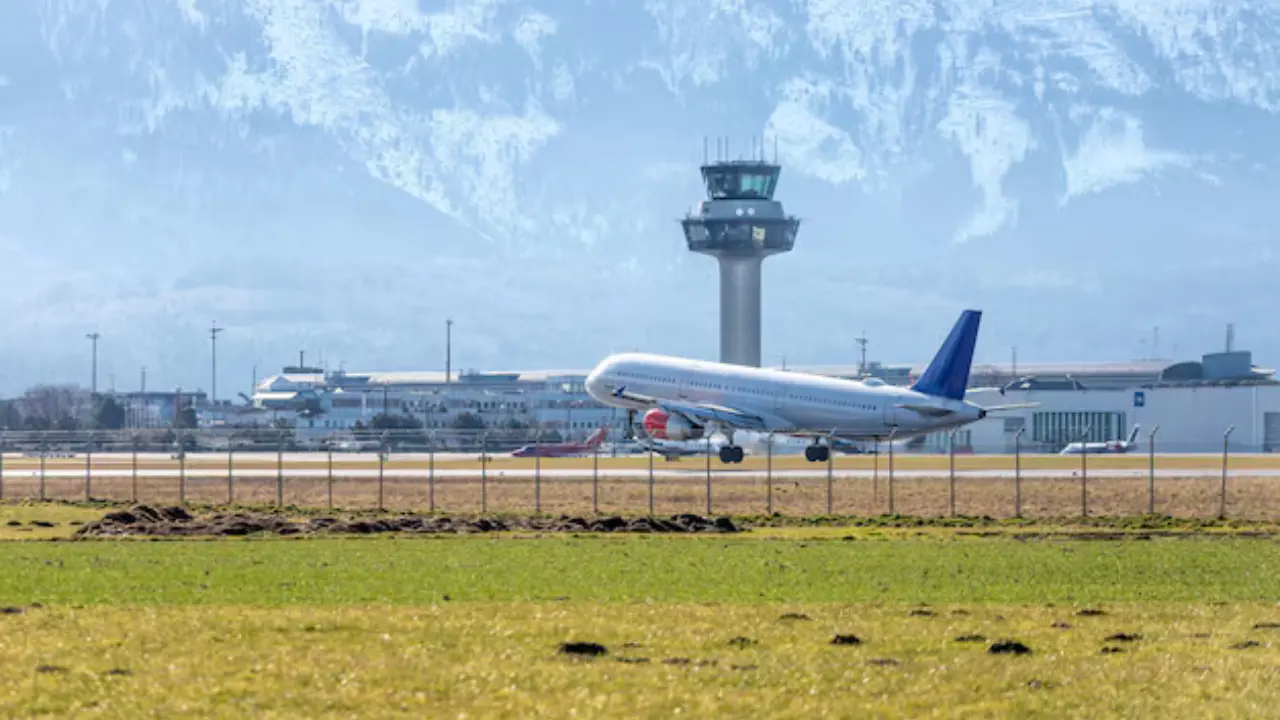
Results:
[661, 425]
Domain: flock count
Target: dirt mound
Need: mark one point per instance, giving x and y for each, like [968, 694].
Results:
[583, 648]
[1009, 647]
[175, 521]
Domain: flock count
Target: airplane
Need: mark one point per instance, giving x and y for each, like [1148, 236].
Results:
[1111, 446]
[564, 449]
[686, 399]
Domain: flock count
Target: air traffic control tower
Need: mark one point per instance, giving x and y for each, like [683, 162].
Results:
[740, 224]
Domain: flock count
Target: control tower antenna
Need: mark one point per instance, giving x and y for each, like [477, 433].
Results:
[740, 224]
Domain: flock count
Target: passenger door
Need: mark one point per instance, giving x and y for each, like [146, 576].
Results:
[891, 413]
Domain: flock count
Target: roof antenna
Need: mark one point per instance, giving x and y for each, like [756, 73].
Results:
[704, 149]
[775, 149]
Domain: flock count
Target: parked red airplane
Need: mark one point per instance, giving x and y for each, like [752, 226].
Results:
[563, 449]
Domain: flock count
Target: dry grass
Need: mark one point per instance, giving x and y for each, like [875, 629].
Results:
[1248, 498]
[501, 660]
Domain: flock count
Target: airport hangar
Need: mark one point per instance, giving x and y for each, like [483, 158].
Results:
[1193, 402]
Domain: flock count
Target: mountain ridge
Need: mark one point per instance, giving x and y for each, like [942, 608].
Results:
[943, 154]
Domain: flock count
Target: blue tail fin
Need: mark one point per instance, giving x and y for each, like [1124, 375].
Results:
[948, 374]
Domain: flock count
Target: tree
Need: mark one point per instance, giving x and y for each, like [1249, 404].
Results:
[10, 415]
[395, 421]
[46, 407]
[311, 408]
[468, 421]
[186, 417]
[108, 413]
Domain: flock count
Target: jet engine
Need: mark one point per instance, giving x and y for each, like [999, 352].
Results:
[661, 425]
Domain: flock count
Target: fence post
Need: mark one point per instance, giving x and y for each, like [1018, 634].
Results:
[892, 432]
[1084, 472]
[484, 472]
[88, 468]
[595, 479]
[2, 465]
[133, 486]
[382, 467]
[951, 464]
[231, 472]
[329, 450]
[651, 482]
[831, 446]
[768, 478]
[44, 451]
[1151, 471]
[1017, 472]
[1222, 497]
[875, 471]
[182, 470]
[431, 472]
[280, 471]
[709, 473]
[537, 473]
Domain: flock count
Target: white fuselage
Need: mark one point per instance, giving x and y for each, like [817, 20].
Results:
[789, 401]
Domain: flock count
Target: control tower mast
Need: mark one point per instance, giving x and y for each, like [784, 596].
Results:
[740, 224]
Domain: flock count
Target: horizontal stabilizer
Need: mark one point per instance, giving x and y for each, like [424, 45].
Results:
[929, 410]
[1015, 406]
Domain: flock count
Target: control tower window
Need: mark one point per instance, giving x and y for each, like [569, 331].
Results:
[759, 185]
[741, 183]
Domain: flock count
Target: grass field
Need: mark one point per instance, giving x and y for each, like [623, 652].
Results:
[714, 626]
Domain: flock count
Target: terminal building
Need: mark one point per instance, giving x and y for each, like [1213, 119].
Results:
[1192, 402]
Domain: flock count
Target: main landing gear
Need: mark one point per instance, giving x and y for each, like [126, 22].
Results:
[731, 454]
[817, 453]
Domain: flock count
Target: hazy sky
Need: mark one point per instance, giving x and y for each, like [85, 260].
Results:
[342, 175]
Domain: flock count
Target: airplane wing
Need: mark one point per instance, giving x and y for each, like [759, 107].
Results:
[702, 413]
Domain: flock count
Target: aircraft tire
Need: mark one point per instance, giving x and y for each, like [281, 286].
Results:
[731, 454]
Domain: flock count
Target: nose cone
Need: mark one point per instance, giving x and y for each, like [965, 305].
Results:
[595, 383]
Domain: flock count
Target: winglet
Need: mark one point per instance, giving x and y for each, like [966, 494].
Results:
[948, 374]
[1133, 435]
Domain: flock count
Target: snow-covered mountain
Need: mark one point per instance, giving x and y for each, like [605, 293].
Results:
[342, 175]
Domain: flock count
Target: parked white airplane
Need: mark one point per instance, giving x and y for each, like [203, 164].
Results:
[686, 399]
[1111, 446]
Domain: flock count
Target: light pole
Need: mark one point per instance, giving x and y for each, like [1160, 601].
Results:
[448, 350]
[93, 383]
[213, 344]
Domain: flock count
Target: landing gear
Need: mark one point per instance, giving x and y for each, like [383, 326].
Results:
[731, 454]
[817, 453]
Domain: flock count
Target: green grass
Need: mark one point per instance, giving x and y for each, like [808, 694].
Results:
[450, 626]
[648, 569]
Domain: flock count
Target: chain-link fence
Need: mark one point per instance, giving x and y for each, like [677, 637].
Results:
[517, 471]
